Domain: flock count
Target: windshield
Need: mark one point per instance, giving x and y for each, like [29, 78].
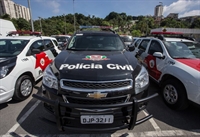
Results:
[180, 49]
[96, 43]
[62, 39]
[11, 47]
[126, 39]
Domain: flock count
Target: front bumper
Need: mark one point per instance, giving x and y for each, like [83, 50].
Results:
[125, 114]
[7, 88]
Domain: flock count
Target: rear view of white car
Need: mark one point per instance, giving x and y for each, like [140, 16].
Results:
[22, 62]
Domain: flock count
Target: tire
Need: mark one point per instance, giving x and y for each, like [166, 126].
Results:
[23, 88]
[174, 94]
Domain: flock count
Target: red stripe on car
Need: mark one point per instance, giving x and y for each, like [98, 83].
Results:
[193, 63]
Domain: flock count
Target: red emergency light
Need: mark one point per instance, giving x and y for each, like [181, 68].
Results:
[24, 32]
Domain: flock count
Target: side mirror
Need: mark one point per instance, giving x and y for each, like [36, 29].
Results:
[60, 47]
[35, 51]
[158, 55]
[131, 48]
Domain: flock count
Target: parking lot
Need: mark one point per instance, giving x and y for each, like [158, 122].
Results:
[24, 119]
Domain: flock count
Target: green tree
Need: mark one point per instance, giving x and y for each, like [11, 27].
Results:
[136, 33]
[196, 23]
[23, 24]
[172, 23]
[6, 17]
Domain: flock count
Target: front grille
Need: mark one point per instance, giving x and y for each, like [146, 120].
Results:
[77, 85]
[105, 101]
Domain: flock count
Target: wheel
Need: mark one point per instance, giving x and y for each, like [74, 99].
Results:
[174, 94]
[23, 88]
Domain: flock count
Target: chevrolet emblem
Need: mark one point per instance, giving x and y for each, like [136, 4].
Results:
[97, 95]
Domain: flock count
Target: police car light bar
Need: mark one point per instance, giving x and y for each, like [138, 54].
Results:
[102, 27]
[20, 32]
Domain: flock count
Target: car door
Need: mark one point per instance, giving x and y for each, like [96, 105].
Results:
[154, 64]
[135, 44]
[39, 57]
[140, 52]
[50, 49]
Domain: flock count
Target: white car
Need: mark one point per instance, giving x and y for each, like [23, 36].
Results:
[22, 62]
[127, 39]
[62, 40]
[173, 63]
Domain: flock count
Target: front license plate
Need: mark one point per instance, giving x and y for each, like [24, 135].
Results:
[97, 119]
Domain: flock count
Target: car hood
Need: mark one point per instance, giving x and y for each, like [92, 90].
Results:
[193, 63]
[90, 65]
[7, 61]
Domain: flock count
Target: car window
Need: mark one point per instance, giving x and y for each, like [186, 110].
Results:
[11, 47]
[38, 45]
[137, 42]
[155, 47]
[181, 49]
[143, 45]
[127, 38]
[96, 43]
[48, 43]
[55, 42]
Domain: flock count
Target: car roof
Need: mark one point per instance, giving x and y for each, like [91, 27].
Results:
[178, 39]
[89, 32]
[168, 39]
[126, 36]
[60, 36]
[26, 37]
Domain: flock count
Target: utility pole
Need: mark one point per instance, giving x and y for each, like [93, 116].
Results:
[65, 22]
[32, 26]
[40, 24]
[74, 18]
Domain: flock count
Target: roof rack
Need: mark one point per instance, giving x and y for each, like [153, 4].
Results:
[25, 32]
[161, 35]
[103, 28]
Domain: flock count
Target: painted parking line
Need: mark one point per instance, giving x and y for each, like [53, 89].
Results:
[157, 133]
[163, 133]
[21, 120]
[153, 123]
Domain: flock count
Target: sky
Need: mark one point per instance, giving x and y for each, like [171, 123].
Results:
[102, 8]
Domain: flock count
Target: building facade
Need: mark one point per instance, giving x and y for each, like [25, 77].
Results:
[158, 11]
[14, 10]
[173, 15]
[190, 19]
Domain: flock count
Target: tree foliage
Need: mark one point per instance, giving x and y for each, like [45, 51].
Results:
[121, 22]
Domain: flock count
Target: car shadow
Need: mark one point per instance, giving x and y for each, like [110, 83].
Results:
[187, 119]
[37, 126]
[164, 117]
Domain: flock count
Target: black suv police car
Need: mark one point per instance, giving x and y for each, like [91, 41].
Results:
[96, 84]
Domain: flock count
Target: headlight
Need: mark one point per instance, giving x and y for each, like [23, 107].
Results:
[141, 81]
[49, 79]
[3, 71]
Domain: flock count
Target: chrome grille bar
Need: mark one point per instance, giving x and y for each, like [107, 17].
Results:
[96, 86]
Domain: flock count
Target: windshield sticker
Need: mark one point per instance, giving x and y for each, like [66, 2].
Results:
[95, 57]
[95, 66]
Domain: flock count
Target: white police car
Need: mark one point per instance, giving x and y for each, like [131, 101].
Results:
[174, 63]
[22, 61]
